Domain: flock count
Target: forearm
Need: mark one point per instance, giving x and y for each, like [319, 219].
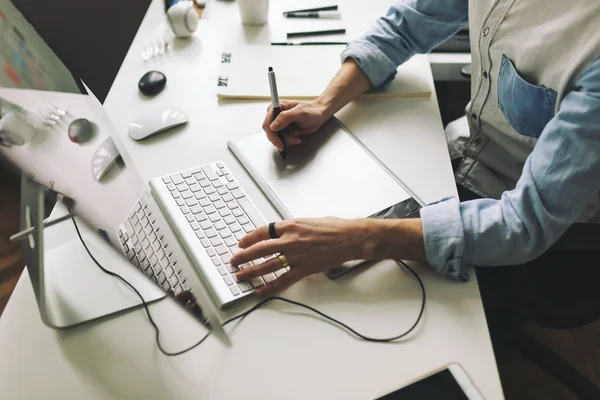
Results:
[348, 84]
[393, 239]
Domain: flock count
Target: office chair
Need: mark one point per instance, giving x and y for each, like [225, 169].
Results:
[559, 290]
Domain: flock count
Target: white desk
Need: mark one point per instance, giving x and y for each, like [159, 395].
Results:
[278, 352]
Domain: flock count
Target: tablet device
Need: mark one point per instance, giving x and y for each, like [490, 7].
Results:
[448, 383]
[330, 174]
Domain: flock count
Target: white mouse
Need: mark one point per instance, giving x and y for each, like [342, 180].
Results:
[105, 157]
[155, 122]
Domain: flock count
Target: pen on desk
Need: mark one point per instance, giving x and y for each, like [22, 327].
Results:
[316, 14]
[307, 43]
[316, 33]
[326, 8]
[276, 109]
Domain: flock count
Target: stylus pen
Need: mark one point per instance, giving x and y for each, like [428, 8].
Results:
[316, 33]
[276, 109]
[307, 43]
[326, 8]
[316, 14]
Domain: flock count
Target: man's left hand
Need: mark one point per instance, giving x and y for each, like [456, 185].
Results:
[309, 245]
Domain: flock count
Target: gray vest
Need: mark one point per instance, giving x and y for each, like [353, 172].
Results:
[538, 48]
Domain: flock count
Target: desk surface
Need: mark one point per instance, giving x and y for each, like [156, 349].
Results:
[278, 352]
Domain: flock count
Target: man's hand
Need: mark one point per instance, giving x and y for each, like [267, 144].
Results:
[317, 244]
[301, 118]
[309, 245]
[306, 118]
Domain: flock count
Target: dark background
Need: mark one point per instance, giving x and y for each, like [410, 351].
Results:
[90, 37]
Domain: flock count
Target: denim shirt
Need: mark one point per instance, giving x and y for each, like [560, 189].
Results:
[559, 178]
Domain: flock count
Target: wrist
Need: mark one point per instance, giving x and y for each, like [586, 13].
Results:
[373, 239]
[325, 105]
[393, 239]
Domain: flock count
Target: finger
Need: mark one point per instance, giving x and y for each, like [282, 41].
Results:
[288, 104]
[269, 107]
[284, 119]
[261, 249]
[257, 235]
[261, 269]
[283, 282]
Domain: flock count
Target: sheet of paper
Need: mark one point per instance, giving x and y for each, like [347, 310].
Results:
[303, 72]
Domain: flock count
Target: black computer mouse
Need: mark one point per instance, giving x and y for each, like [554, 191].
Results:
[152, 83]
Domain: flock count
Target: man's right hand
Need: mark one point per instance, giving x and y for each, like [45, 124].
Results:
[301, 118]
[306, 118]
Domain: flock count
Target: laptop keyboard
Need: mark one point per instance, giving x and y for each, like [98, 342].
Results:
[220, 214]
[145, 246]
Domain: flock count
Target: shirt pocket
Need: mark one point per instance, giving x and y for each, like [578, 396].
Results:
[528, 108]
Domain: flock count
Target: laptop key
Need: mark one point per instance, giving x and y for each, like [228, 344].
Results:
[245, 286]
[196, 209]
[200, 217]
[176, 179]
[231, 268]
[232, 185]
[224, 233]
[210, 174]
[221, 249]
[205, 225]
[219, 225]
[257, 282]
[280, 272]
[211, 233]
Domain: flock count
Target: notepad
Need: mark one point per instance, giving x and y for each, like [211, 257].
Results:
[303, 72]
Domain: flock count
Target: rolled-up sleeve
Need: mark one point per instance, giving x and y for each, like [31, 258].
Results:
[560, 178]
[408, 28]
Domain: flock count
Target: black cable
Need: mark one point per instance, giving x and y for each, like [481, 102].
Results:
[259, 305]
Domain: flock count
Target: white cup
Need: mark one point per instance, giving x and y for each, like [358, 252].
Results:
[254, 12]
[183, 18]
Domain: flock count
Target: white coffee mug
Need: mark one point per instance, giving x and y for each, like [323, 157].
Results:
[183, 18]
[254, 12]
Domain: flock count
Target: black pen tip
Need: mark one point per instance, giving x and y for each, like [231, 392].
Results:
[270, 69]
